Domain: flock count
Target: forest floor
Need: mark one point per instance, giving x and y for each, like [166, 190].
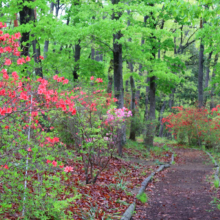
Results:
[184, 191]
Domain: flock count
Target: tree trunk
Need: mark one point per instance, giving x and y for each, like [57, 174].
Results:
[77, 58]
[149, 138]
[46, 43]
[200, 76]
[212, 104]
[93, 54]
[132, 135]
[126, 85]
[36, 51]
[151, 119]
[118, 79]
[208, 69]
[110, 78]
[26, 15]
[161, 117]
[207, 76]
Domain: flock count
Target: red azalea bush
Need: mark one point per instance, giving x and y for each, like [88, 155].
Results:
[195, 126]
[33, 168]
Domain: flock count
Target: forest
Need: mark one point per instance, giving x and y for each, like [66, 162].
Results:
[109, 109]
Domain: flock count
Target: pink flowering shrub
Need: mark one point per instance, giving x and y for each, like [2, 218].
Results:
[33, 114]
[93, 129]
[25, 146]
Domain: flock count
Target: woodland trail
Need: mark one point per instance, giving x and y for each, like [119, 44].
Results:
[183, 191]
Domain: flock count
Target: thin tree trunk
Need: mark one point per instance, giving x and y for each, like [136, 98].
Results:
[46, 43]
[146, 114]
[208, 69]
[132, 135]
[126, 85]
[36, 51]
[200, 74]
[161, 117]
[207, 75]
[212, 104]
[110, 78]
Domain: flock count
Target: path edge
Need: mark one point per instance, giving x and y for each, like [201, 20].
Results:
[217, 168]
[130, 210]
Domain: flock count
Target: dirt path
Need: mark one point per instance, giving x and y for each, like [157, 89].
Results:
[183, 192]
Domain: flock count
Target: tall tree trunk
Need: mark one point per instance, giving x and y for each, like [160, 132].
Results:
[207, 76]
[149, 138]
[200, 74]
[212, 104]
[132, 135]
[118, 79]
[77, 58]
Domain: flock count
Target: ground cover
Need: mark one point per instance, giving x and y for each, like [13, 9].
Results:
[115, 189]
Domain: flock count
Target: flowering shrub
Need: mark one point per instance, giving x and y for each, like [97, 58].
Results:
[197, 126]
[29, 185]
[33, 167]
[94, 128]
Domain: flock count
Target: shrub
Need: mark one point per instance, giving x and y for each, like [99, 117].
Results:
[195, 126]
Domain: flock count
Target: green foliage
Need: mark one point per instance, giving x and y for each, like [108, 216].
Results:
[142, 197]
[118, 186]
[216, 183]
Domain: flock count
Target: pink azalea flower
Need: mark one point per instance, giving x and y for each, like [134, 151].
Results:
[54, 163]
[68, 169]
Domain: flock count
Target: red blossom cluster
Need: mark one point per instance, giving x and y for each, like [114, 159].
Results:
[194, 123]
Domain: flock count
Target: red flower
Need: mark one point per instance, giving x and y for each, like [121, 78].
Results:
[28, 59]
[54, 163]
[99, 80]
[7, 62]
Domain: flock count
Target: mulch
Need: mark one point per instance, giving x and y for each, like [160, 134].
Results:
[182, 192]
